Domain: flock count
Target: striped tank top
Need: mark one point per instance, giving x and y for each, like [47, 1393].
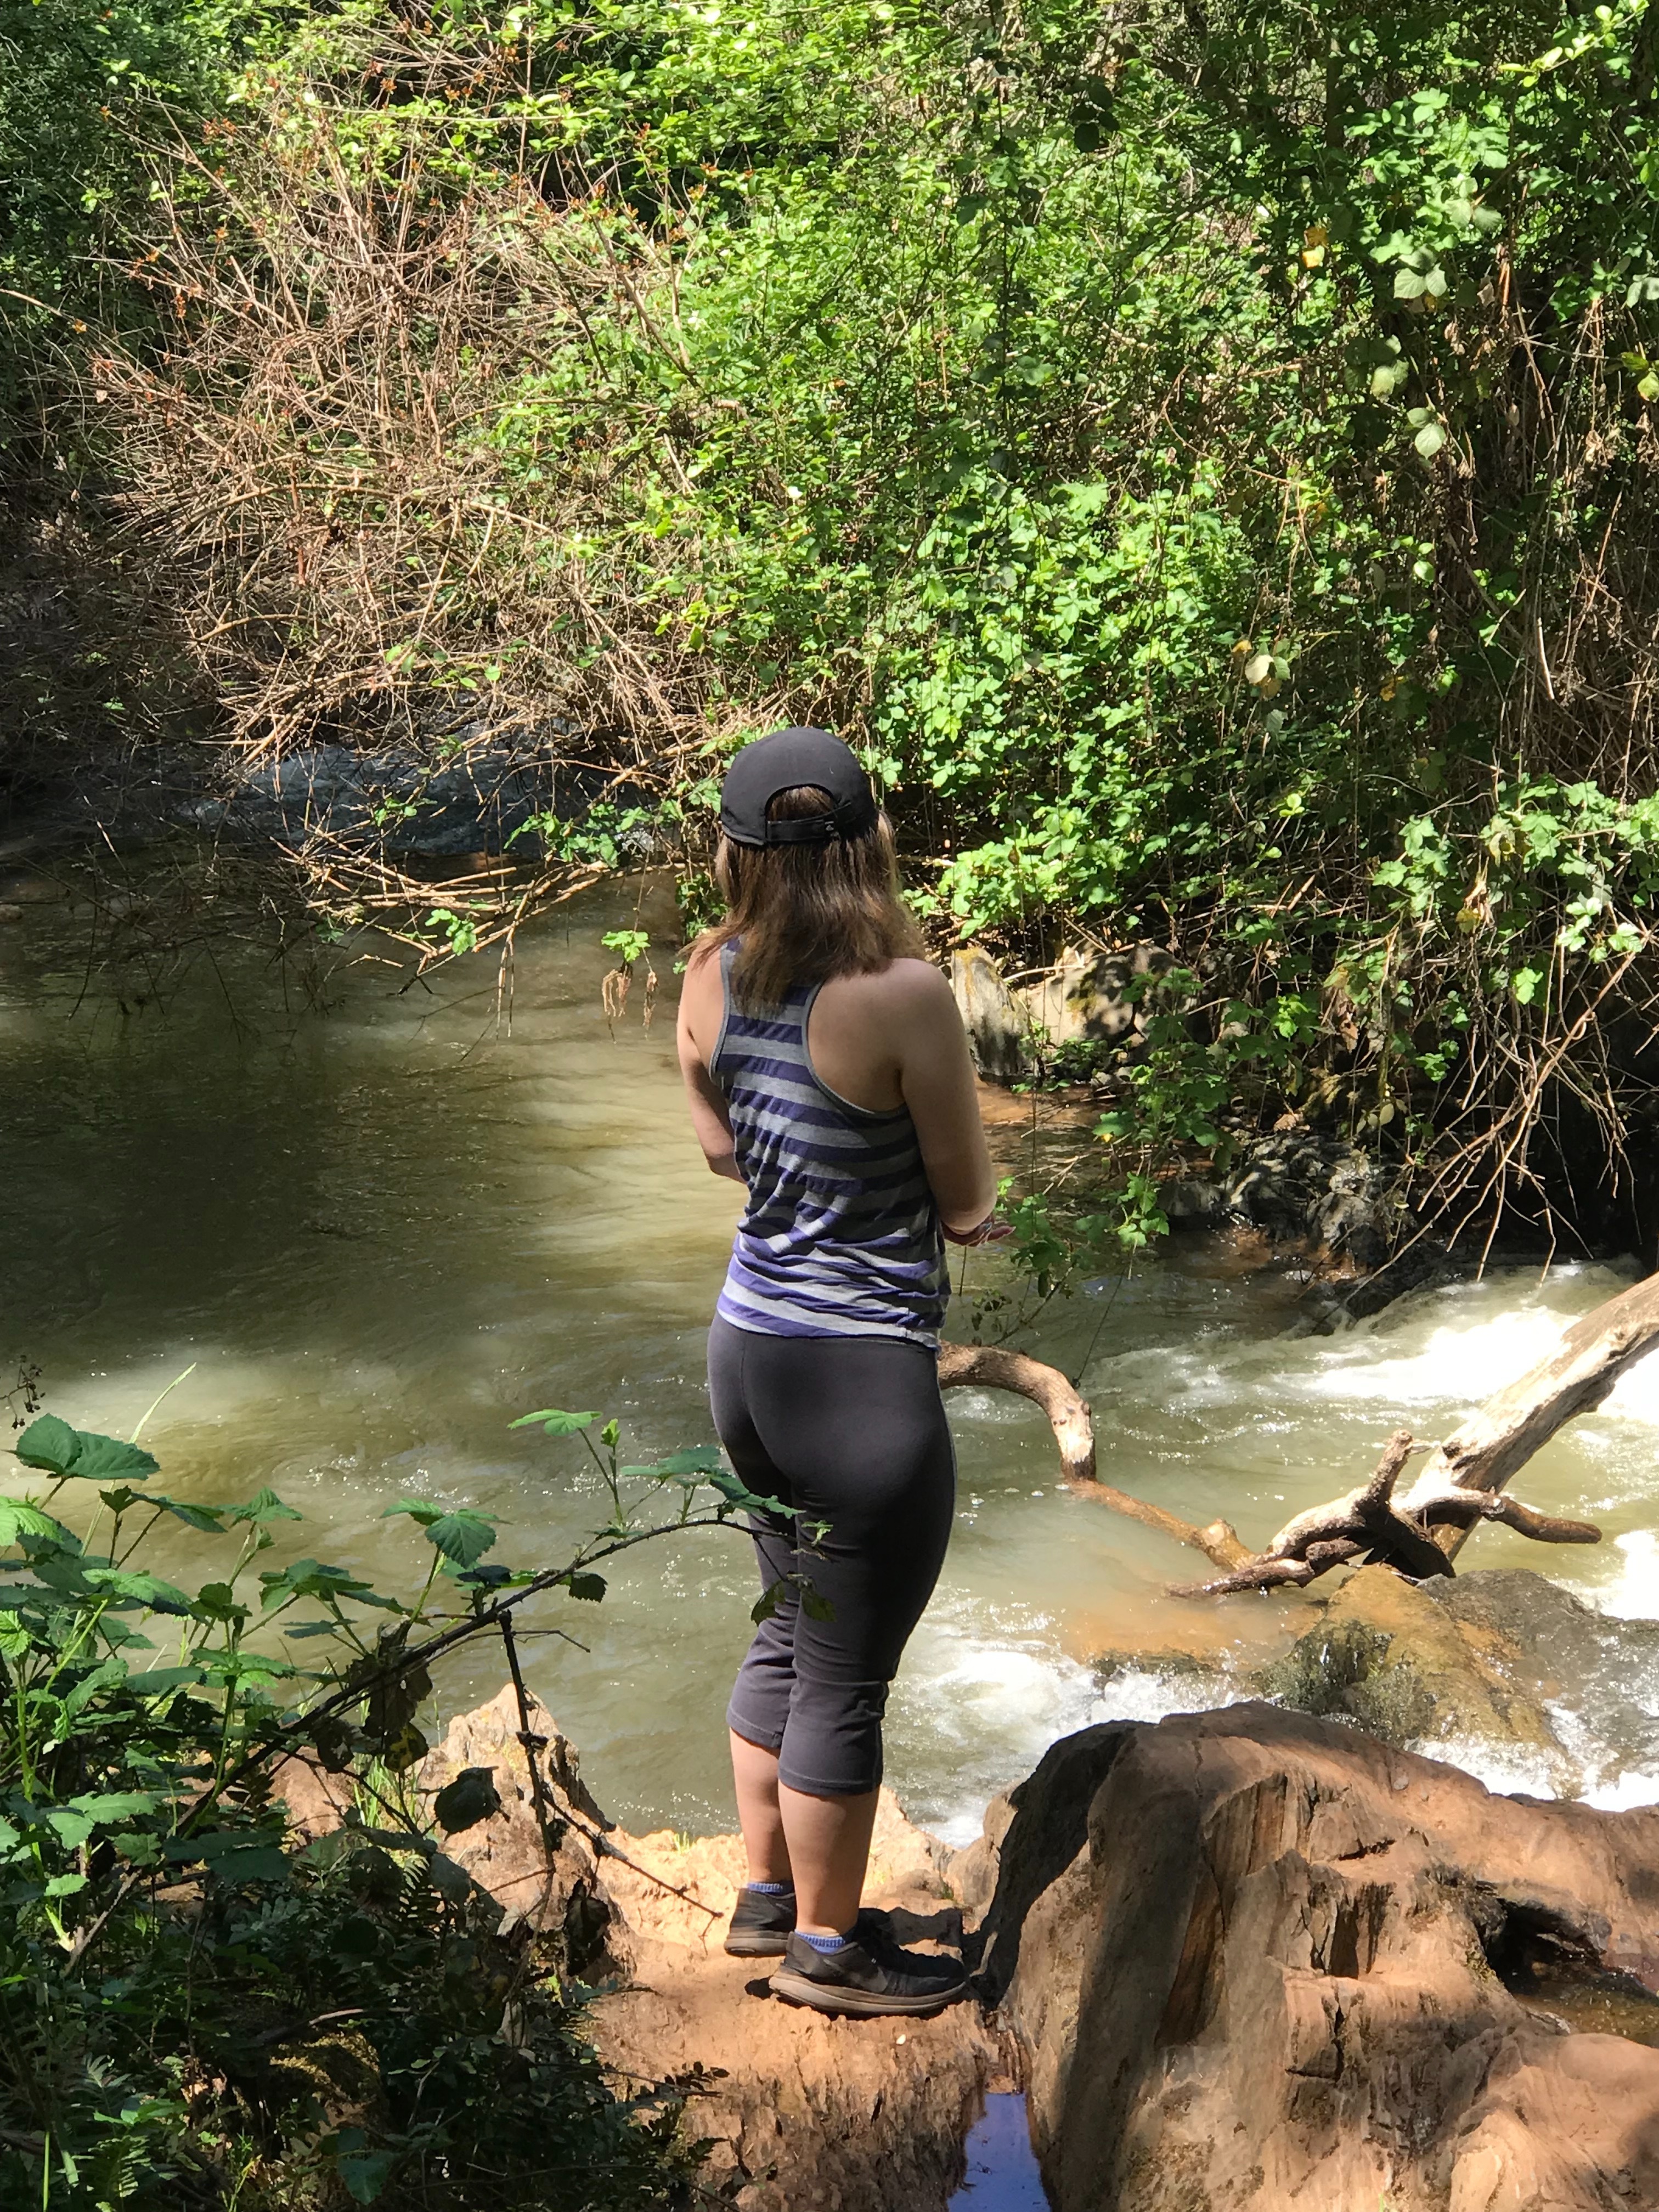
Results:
[841, 1235]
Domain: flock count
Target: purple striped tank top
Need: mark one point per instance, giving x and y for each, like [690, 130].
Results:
[841, 1235]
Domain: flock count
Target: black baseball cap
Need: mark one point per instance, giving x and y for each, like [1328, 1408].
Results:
[778, 764]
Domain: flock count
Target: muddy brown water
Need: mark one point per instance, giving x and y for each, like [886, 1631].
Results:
[380, 1232]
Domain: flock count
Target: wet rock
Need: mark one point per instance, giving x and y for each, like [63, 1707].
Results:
[1408, 1670]
[394, 801]
[1272, 1973]
[1483, 1660]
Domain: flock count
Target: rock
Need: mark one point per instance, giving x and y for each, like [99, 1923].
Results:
[393, 800]
[1483, 1659]
[1084, 997]
[1257, 1961]
[9, 913]
[1087, 996]
[995, 1021]
[1408, 1670]
[32, 890]
[316, 1801]
[806, 2111]
[561, 1892]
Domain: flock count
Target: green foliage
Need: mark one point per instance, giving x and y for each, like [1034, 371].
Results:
[1208, 471]
[192, 2004]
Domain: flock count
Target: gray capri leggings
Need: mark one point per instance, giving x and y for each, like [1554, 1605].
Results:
[849, 1430]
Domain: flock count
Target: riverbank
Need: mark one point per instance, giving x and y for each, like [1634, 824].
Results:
[1240, 1958]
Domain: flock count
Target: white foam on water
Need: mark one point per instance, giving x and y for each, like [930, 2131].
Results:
[1624, 1793]
[1462, 1362]
[981, 1709]
[1507, 1769]
[1632, 1594]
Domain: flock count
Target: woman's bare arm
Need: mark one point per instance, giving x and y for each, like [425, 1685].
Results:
[936, 1077]
[700, 1019]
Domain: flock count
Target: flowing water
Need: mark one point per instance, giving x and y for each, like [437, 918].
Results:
[380, 1230]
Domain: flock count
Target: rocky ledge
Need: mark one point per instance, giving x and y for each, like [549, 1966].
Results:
[1242, 1961]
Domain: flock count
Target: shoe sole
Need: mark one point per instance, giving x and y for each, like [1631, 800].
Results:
[825, 1997]
[757, 1946]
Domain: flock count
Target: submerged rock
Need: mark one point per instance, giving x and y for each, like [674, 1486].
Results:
[1257, 1960]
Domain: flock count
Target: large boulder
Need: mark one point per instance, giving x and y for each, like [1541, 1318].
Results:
[1258, 1960]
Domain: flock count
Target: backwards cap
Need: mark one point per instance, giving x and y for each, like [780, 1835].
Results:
[778, 764]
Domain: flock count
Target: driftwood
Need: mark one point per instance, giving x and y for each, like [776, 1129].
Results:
[1419, 1532]
[993, 1367]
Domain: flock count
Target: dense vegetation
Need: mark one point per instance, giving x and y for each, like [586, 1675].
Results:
[1205, 457]
[197, 2006]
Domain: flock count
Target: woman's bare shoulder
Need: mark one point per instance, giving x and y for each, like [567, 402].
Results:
[905, 992]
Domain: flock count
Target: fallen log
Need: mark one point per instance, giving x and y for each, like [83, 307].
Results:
[1487, 1449]
[1418, 1532]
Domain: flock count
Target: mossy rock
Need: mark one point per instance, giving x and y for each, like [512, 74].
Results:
[1406, 1669]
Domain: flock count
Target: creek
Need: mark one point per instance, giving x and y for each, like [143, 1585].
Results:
[379, 1230]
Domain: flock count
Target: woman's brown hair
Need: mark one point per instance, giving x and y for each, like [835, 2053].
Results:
[808, 912]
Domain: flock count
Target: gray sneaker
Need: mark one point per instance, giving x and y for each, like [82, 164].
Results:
[760, 1925]
[868, 1974]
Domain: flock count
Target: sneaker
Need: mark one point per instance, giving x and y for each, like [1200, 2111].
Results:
[868, 1974]
[760, 1925]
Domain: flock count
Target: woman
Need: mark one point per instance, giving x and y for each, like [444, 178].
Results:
[829, 1073]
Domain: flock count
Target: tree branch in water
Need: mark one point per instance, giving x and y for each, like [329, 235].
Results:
[1420, 1532]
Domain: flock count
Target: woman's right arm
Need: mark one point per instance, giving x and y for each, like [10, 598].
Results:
[700, 1005]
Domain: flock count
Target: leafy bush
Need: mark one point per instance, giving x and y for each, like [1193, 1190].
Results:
[196, 2009]
[1208, 466]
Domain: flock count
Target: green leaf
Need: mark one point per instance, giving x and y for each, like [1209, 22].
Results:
[365, 2173]
[471, 1797]
[737, 1493]
[217, 1601]
[699, 1459]
[463, 1536]
[106, 1807]
[55, 1448]
[66, 1885]
[157, 1680]
[19, 1518]
[556, 1423]
[1429, 439]
[418, 1509]
[589, 1587]
[263, 1506]
[71, 1829]
[1408, 285]
[141, 1589]
[1524, 983]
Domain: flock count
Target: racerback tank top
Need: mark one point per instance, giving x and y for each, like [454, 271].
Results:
[841, 1236]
